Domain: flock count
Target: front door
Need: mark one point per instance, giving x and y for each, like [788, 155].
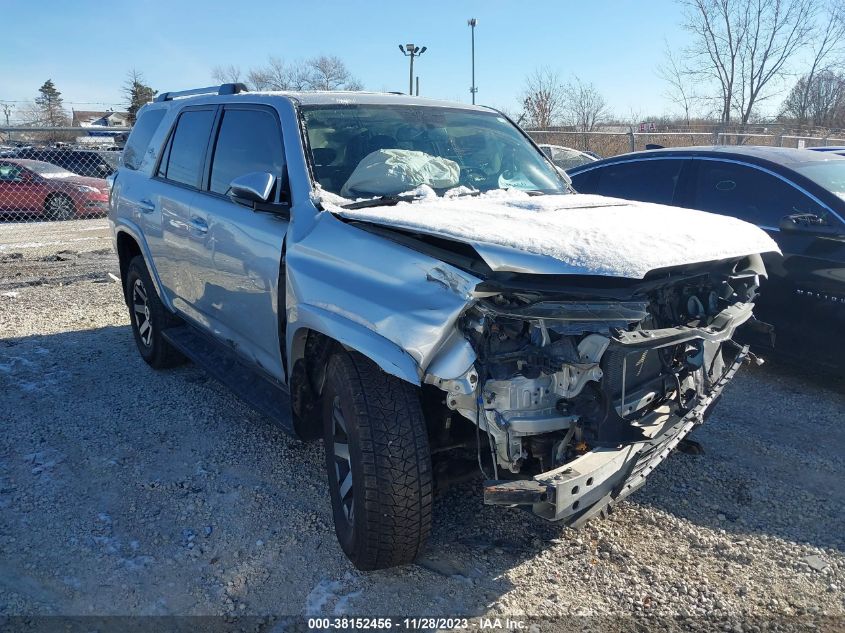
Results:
[241, 254]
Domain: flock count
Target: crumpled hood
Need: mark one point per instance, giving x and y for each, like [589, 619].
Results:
[573, 234]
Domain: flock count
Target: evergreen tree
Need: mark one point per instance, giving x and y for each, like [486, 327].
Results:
[49, 103]
[137, 94]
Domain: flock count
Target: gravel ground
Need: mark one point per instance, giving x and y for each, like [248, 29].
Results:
[129, 491]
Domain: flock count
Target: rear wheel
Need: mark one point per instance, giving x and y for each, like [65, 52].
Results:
[59, 207]
[149, 317]
[378, 463]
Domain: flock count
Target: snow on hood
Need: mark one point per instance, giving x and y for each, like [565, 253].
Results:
[572, 233]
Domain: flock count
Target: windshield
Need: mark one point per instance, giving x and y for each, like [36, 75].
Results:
[829, 174]
[48, 170]
[364, 151]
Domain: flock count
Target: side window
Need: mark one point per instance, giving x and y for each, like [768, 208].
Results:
[186, 149]
[646, 180]
[9, 173]
[249, 140]
[139, 138]
[748, 194]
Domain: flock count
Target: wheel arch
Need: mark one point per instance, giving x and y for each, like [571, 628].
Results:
[129, 244]
[311, 340]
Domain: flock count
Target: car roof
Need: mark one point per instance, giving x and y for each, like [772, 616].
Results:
[328, 97]
[782, 156]
[23, 162]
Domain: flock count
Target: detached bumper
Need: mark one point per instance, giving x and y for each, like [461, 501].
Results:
[592, 483]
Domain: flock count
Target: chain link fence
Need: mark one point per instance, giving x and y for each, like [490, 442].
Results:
[56, 173]
[606, 144]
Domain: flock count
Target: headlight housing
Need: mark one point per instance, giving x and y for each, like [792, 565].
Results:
[87, 189]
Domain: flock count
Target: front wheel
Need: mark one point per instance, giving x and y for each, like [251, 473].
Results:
[378, 463]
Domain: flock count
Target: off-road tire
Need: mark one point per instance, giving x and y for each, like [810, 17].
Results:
[59, 206]
[156, 351]
[389, 460]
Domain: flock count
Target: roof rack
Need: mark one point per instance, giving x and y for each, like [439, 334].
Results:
[222, 89]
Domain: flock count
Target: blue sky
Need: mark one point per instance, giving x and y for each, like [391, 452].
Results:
[87, 47]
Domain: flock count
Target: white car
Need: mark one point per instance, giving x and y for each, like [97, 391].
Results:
[566, 157]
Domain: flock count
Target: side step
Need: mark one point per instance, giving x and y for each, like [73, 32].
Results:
[262, 394]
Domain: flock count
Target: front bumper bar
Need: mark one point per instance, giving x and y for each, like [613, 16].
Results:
[592, 483]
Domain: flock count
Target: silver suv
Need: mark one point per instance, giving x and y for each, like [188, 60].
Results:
[415, 283]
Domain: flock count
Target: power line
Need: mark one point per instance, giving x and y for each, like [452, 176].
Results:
[66, 102]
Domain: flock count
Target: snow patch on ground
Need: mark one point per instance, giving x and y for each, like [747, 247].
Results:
[331, 596]
[592, 234]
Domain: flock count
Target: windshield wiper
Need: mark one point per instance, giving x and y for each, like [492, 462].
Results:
[382, 201]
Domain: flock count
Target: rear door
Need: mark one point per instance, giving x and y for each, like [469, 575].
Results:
[168, 207]
[238, 266]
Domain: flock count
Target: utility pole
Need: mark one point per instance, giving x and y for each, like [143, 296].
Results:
[471, 24]
[409, 50]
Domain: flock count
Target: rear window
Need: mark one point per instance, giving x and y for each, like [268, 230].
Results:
[139, 139]
[185, 154]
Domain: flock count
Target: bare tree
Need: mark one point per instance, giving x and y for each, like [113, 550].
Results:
[275, 75]
[583, 105]
[745, 46]
[817, 101]
[543, 98]
[826, 51]
[328, 72]
[679, 89]
[6, 110]
[229, 74]
[319, 73]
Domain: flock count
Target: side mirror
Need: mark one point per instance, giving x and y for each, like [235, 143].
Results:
[251, 188]
[804, 223]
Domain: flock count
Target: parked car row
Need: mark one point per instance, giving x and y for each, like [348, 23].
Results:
[54, 183]
[796, 195]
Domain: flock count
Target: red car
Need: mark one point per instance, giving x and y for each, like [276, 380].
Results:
[32, 187]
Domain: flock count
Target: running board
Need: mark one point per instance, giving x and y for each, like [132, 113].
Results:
[262, 394]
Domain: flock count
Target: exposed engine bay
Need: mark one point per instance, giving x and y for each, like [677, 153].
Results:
[570, 396]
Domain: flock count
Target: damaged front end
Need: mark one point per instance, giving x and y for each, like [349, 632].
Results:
[576, 395]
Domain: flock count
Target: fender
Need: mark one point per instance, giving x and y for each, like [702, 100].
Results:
[390, 357]
[124, 225]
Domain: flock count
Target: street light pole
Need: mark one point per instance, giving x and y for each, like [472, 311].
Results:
[410, 50]
[471, 23]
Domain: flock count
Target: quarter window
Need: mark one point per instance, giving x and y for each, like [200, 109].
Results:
[749, 194]
[646, 180]
[185, 154]
[249, 141]
[140, 137]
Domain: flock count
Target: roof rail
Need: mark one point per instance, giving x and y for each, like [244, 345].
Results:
[222, 89]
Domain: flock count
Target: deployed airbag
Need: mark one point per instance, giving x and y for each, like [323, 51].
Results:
[388, 172]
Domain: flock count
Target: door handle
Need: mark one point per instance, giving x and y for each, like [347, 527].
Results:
[146, 206]
[198, 224]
